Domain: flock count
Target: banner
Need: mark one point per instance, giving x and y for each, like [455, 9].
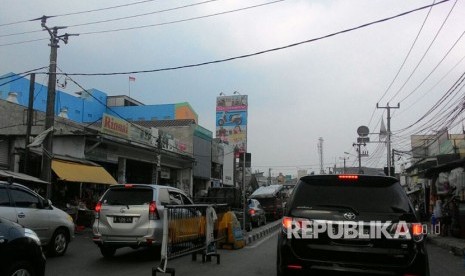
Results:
[231, 121]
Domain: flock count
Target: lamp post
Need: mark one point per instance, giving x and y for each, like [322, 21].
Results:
[344, 158]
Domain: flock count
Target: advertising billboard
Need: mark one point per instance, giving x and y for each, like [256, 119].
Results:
[231, 121]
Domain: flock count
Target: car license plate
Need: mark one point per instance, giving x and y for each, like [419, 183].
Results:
[122, 219]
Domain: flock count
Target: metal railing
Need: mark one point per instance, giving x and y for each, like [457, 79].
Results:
[190, 229]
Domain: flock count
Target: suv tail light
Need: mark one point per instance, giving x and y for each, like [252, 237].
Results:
[414, 229]
[153, 212]
[98, 207]
[417, 232]
[290, 222]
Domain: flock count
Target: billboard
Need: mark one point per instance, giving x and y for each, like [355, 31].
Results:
[231, 121]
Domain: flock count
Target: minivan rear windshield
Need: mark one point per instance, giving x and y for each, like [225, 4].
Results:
[128, 196]
[361, 195]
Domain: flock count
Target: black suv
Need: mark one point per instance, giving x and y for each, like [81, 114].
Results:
[318, 228]
[20, 251]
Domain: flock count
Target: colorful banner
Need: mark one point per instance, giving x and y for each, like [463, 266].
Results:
[231, 121]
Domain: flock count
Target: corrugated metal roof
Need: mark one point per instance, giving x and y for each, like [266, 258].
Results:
[266, 191]
[4, 174]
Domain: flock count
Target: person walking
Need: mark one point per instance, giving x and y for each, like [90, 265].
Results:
[437, 213]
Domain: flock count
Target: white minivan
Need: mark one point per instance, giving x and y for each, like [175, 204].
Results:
[54, 227]
[131, 215]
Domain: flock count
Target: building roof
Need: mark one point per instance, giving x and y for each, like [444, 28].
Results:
[267, 191]
[126, 98]
[165, 123]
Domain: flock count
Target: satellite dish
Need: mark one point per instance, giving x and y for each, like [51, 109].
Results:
[363, 131]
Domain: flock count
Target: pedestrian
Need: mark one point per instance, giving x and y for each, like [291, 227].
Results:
[437, 212]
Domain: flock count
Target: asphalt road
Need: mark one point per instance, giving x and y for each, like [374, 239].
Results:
[259, 258]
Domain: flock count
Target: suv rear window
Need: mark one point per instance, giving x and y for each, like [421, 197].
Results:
[128, 196]
[376, 195]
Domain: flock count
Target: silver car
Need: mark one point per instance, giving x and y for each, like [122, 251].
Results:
[131, 215]
[54, 227]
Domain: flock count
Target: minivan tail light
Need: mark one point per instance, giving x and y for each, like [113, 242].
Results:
[98, 207]
[153, 212]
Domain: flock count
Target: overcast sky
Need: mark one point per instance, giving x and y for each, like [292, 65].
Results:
[326, 88]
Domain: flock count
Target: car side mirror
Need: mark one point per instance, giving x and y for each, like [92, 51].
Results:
[47, 203]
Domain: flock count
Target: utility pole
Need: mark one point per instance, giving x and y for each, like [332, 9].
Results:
[320, 153]
[30, 113]
[359, 155]
[269, 176]
[47, 152]
[388, 137]
[344, 158]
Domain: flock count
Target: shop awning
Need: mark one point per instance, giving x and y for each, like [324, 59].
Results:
[76, 172]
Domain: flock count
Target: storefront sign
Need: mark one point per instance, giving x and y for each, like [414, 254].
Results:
[115, 126]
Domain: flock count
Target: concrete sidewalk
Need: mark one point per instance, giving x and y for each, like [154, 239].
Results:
[452, 244]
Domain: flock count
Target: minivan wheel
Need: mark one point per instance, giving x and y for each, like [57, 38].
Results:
[107, 252]
[59, 243]
[20, 268]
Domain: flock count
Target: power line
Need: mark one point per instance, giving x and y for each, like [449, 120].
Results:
[23, 73]
[430, 90]
[454, 88]
[80, 12]
[182, 20]
[152, 25]
[260, 52]
[426, 52]
[434, 69]
[119, 18]
[408, 53]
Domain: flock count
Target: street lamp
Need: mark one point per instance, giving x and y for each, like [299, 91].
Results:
[344, 158]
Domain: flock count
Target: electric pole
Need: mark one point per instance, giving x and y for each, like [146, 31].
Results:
[30, 114]
[388, 137]
[344, 158]
[320, 153]
[47, 152]
[359, 152]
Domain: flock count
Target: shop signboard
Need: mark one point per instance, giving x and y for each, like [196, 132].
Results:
[115, 126]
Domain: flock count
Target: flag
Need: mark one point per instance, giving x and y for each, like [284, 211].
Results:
[132, 78]
[382, 131]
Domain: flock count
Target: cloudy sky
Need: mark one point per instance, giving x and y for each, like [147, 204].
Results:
[321, 88]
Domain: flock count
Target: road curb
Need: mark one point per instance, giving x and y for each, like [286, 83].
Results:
[262, 232]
